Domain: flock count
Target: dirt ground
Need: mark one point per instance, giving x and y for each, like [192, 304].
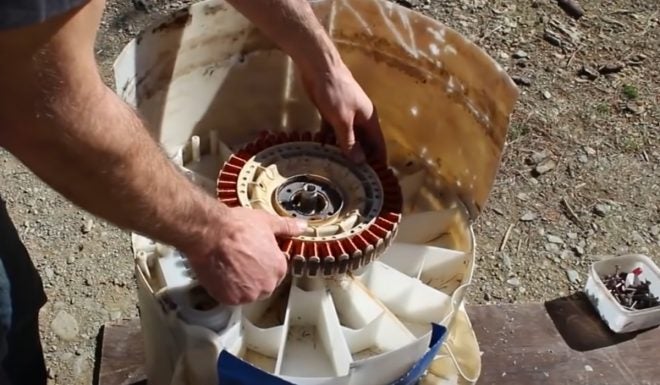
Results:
[579, 181]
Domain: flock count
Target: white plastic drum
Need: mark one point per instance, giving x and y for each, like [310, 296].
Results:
[207, 82]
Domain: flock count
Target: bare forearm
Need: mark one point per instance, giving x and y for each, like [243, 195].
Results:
[293, 26]
[94, 150]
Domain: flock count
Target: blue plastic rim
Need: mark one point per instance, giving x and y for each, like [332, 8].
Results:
[234, 371]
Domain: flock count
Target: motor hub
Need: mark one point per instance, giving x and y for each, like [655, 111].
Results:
[352, 210]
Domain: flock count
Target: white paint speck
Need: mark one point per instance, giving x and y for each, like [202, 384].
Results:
[449, 49]
[414, 111]
[588, 368]
[434, 49]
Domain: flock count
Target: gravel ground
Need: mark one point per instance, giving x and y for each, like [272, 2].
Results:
[579, 181]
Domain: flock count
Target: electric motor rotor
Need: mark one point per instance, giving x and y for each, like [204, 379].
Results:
[352, 210]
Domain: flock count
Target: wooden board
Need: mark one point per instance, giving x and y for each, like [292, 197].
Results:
[560, 342]
[122, 354]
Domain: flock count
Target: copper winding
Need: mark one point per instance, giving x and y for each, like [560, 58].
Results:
[353, 210]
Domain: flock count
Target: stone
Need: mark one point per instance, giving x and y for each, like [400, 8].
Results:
[573, 276]
[572, 235]
[611, 68]
[538, 157]
[71, 259]
[546, 94]
[602, 209]
[655, 230]
[87, 227]
[552, 247]
[545, 167]
[579, 250]
[522, 80]
[589, 151]
[520, 54]
[515, 282]
[588, 73]
[522, 196]
[528, 216]
[65, 326]
[554, 239]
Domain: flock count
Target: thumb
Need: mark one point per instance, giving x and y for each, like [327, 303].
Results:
[287, 226]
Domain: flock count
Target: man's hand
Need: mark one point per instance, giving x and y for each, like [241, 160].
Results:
[243, 263]
[293, 26]
[348, 112]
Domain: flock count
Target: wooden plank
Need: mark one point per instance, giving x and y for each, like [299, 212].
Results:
[560, 342]
[122, 354]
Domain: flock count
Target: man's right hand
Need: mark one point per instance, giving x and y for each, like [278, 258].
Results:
[240, 261]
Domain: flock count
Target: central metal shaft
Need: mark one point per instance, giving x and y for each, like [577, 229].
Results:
[309, 201]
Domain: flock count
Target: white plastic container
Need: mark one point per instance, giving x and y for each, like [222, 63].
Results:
[618, 318]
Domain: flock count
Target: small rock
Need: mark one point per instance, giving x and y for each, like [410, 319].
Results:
[545, 167]
[579, 250]
[71, 259]
[537, 157]
[637, 237]
[564, 254]
[506, 260]
[602, 209]
[522, 196]
[588, 368]
[611, 68]
[87, 227]
[589, 151]
[655, 230]
[572, 235]
[515, 282]
[522, 80]
[51, 373]
[554, 239]
[504, 55]
[49, 273]
[634, 108]
[546, 94]
[528, 217]
[588, 73]
[573, 276]
[552, 247]
[520, 54]
[65, 326]
[487, 296]
[552, 38]
[583, 159]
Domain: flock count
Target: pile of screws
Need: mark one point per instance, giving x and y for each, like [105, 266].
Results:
[629, 290]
